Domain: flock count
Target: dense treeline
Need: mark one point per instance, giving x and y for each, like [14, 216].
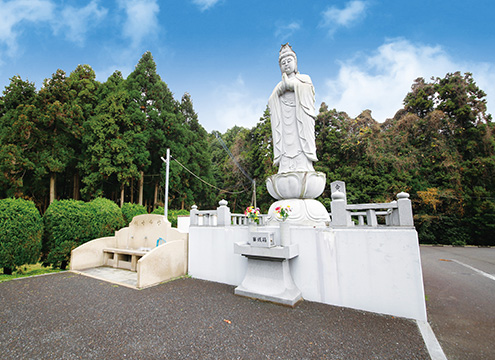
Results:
[440, 148]
[77, 138]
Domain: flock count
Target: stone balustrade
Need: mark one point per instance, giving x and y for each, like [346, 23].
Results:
[220, 217]
[395, 213]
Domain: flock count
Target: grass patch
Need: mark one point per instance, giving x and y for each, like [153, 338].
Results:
[27, 270]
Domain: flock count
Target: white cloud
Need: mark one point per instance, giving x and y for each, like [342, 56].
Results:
[333, 18]
[16, 12]
[380, 82]
[78, 20]
[231, 104]
[285, 31]
[205, 4]
[141, 20]
[73, 22]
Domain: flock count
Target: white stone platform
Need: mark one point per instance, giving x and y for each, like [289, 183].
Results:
[116, 276]
[376, 269]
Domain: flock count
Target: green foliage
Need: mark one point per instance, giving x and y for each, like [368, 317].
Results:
[172, 214]
[439, 148]
[260, 159]
[106, 217]
[114, 146]
[70, 223]
[21, 230]
[130, 210]
[27, 270]
[92, 139]
[228, 175]
[18, 138]
[109, 136]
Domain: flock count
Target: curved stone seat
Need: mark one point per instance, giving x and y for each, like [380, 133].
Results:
[138, 247]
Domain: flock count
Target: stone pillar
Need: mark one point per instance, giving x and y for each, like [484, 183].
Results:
[404, 210]
[223, 214]
[193, 214]
[340, 216]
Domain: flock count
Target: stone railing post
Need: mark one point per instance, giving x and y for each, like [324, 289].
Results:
[340, 217]
[193, 215]
[404, 210]
[223, 214]
[371, 218]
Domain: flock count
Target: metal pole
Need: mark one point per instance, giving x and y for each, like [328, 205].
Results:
[167, 167]
[166, 184]
[254, 192]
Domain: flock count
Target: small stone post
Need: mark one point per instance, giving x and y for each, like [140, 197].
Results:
[404, 210]
[340, 217]
[223, 214]
[193, 214]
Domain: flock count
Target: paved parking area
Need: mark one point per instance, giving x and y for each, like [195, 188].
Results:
[71, 316]
[460, 290]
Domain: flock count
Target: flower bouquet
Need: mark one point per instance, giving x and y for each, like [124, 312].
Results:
[283, 212]
[253, 214]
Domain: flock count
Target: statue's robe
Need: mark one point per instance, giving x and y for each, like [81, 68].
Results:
[301, 121]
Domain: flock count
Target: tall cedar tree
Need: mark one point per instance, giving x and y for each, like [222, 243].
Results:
[57, 117]
[18, 125]
[84, 99]
[152, 105]
[115, 145]
[198, 160]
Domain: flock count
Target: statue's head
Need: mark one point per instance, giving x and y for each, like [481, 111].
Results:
[287, 59]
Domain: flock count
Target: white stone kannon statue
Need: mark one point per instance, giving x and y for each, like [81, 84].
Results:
[292, 110]
[292, 114]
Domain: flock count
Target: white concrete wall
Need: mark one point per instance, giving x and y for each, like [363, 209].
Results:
[376, 270]
[183, 222]
[211, 254]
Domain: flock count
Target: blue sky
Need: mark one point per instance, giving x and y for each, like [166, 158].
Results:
[360, 54]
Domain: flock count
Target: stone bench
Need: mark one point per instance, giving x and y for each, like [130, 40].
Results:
[148, 246]
[122, 258]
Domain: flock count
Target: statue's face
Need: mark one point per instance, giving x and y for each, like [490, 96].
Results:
[288, 65]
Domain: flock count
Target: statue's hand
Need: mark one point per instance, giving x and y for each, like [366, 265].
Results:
[284, 85]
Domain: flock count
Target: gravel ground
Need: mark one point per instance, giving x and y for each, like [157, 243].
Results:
[69, 316]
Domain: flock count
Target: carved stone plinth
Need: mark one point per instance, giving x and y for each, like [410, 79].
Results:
[296, 185]
[268, 276]
[303, 212]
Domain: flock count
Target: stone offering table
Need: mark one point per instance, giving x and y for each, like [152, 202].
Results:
[268, 274]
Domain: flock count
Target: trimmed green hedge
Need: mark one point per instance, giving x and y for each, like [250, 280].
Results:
[130, 210]
[21, 230]
[70, 223]
[172, 214]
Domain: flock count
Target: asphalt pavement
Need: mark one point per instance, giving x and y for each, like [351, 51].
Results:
[460, 291]
[71, 316]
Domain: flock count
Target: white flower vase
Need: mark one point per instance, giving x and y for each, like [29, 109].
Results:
[252, 226]
[284, 233]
